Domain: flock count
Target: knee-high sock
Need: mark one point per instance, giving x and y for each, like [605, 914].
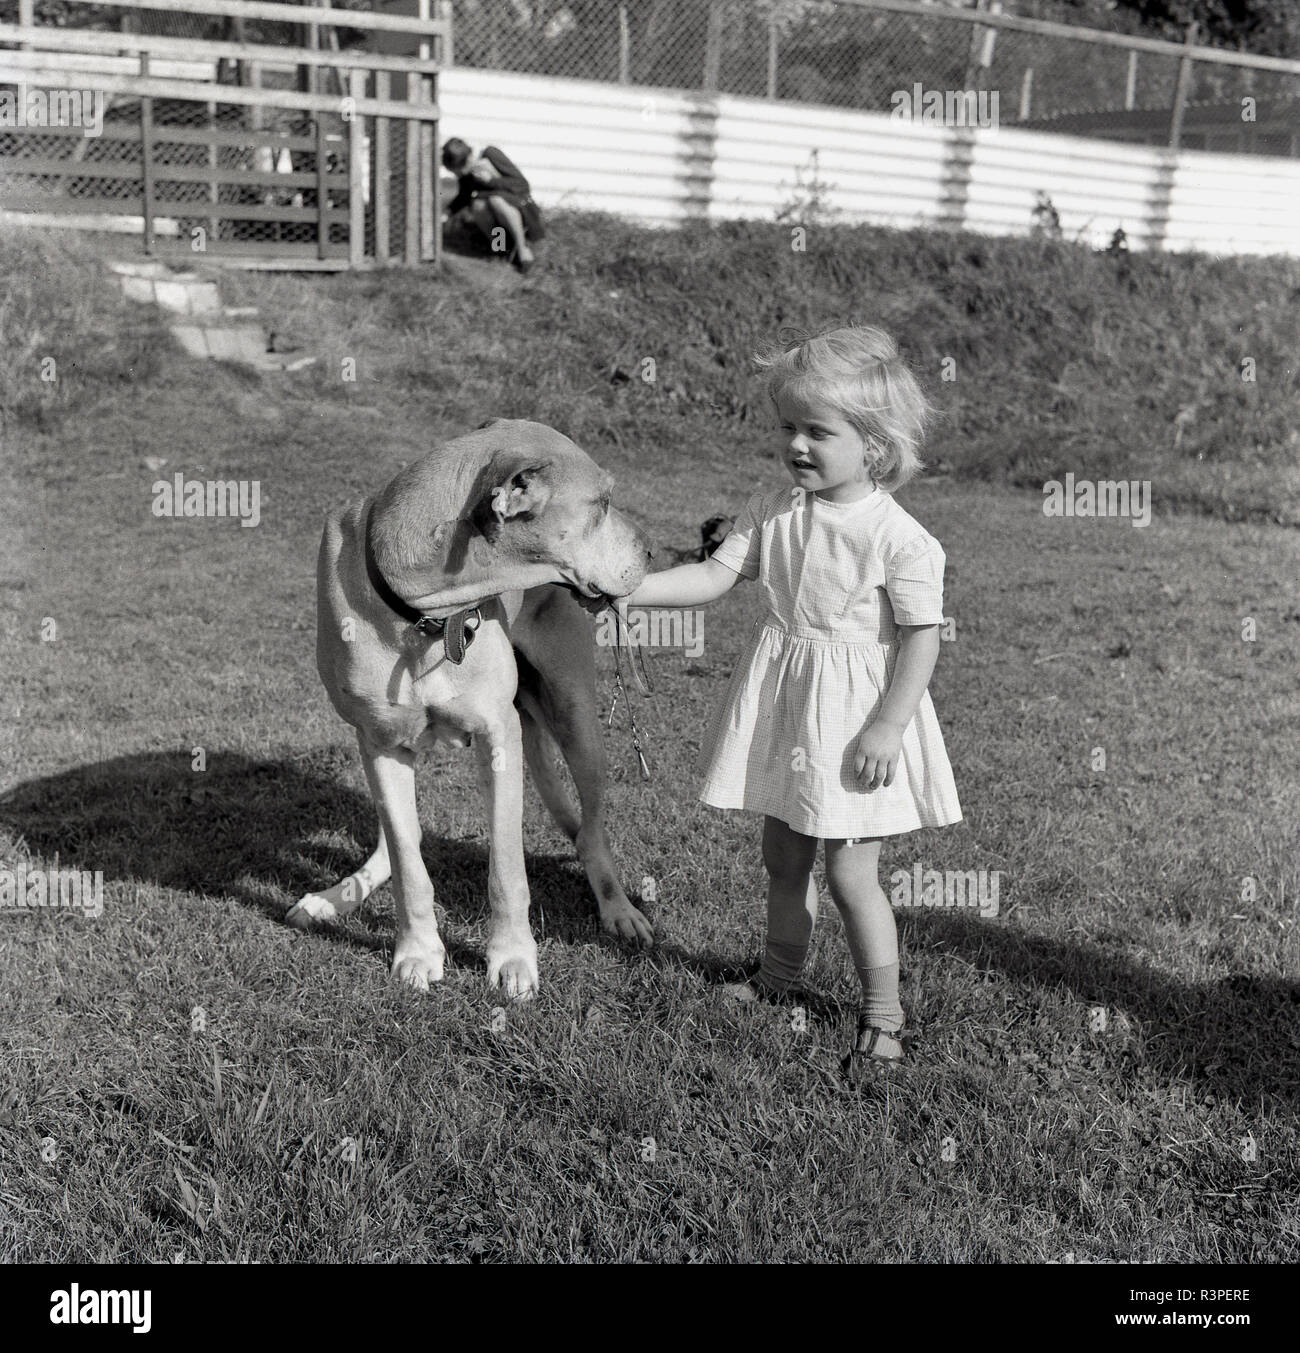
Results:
[782, 964]
[880, 1003]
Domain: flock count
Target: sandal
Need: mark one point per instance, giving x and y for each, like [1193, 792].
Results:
[864, 1059]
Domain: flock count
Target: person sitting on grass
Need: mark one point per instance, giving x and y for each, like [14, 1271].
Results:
[495, 196]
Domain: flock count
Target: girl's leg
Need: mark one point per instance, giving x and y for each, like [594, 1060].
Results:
[788, 857]
[511, 219]
[852, 875]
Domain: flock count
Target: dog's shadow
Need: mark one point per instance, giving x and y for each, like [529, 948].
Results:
[264, 833]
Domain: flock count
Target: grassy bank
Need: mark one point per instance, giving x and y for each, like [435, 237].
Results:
[1044, 356]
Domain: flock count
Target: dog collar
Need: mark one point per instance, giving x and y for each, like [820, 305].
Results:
[454, 630]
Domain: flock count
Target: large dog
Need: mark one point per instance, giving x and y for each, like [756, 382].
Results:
[439, 620]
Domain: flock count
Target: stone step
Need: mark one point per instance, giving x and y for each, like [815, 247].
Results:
[225, 342]
[218, 332]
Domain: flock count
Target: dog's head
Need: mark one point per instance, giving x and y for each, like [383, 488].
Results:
[542, 501]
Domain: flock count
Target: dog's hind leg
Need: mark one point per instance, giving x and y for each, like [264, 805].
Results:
[577, 729]
[558, 689]
[617, 914]
[544, 760]
[347, 894]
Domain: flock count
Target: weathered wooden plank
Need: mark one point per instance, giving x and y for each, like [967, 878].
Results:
[83, 40]
[295, 14]
[33, 68]
[163, 172]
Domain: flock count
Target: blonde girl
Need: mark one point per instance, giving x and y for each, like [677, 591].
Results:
[827, 729]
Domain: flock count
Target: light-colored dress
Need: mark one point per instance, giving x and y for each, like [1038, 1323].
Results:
[838, 580]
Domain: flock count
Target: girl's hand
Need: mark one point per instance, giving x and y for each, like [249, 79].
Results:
[876, 755]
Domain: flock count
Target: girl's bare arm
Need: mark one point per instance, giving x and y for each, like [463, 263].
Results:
[880, 744]
[918, 651]
[685, 585]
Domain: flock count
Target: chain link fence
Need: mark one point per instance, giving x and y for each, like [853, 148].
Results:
[847, 56]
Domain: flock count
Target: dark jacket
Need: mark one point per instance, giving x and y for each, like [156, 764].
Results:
[509, 182]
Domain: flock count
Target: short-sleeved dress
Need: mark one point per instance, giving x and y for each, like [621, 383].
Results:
[838, 579]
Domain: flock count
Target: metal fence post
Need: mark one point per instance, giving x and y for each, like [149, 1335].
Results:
[1131, 83]
[624, 47]
[1180, 91]
[1026, 93]
[713, 46]
[772, 54]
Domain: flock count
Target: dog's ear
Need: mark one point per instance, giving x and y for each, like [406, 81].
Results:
[520, 496]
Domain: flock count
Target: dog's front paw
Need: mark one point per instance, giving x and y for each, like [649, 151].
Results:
[418, 960]
[307, 911]
[512, 966]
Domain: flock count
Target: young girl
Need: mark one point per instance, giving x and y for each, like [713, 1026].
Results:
[827, 728]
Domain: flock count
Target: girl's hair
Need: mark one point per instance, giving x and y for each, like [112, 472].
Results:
[857, 370]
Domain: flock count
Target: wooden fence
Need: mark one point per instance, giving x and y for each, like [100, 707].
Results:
[246, 153]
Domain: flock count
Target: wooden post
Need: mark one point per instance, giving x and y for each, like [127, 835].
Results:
[322, 192]
[435, 167]
[310, 34]
[146, 156]
[214, 193]
[427, 153]
[1131, 83]
[356, 173]
[252, 71]
[382, 175]
[624, 47]
[772, 53]
[1180, 91]
[447, 55]
[412, 177]
[1026, 93]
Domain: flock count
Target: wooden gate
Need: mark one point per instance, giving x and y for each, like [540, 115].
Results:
[248, 153]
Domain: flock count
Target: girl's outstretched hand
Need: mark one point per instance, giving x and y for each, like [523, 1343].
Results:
[875, 758]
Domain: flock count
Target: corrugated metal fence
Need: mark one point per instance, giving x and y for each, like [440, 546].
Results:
[667, 156]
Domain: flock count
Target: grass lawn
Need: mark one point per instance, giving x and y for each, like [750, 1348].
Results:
[1109, 1069]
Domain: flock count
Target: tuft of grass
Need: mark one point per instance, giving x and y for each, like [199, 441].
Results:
[69, 334]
